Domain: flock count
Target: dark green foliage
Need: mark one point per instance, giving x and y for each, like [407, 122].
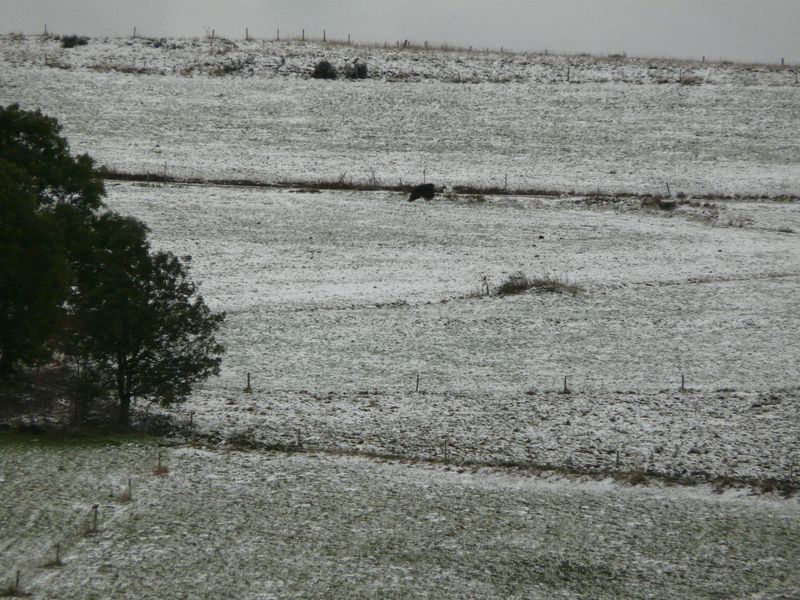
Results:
[324, 70]
[124, 320]
[33, 272]
[140, 324]
[47, 199]
[31, 141]
[72, 40]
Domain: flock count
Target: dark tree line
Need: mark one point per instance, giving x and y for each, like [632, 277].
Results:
[80, 283]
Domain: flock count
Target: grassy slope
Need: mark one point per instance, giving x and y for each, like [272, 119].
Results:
[252, 525]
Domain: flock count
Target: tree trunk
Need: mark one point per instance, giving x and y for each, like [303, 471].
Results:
[123, 392]
[125, 410]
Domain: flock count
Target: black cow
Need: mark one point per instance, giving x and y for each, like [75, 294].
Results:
[425, 190]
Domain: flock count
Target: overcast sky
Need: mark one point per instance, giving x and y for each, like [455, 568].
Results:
[763, 30]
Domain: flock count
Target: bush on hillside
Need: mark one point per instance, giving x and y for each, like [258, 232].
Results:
[70, 41]
[356, 70]
[517, 283]
[324, 70]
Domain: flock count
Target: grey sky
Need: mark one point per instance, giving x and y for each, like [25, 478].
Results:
[763, 30]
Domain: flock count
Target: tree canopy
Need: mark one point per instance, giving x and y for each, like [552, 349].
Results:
[81, 281]
[141, 323]
[31, 141]
[33, 272]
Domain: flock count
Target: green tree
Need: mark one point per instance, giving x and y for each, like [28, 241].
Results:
[32, 142]
[84, 281]
[33, 272]
[47, 201]
[139, 322]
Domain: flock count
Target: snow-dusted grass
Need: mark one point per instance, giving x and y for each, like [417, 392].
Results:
[254, 525]
[336, 301]
[607, 132]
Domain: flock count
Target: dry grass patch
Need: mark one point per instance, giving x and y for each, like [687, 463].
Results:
[518, 283]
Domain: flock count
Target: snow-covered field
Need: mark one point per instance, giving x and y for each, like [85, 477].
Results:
[613, 126]
[255, 525]
[337, 301]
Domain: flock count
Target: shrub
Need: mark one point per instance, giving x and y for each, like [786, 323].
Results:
[70, 41]
[324, 70]
[356, 70]
[517, 283]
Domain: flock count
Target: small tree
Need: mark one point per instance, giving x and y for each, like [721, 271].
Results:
[324, 70]
[138, 322]
[127, 320]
